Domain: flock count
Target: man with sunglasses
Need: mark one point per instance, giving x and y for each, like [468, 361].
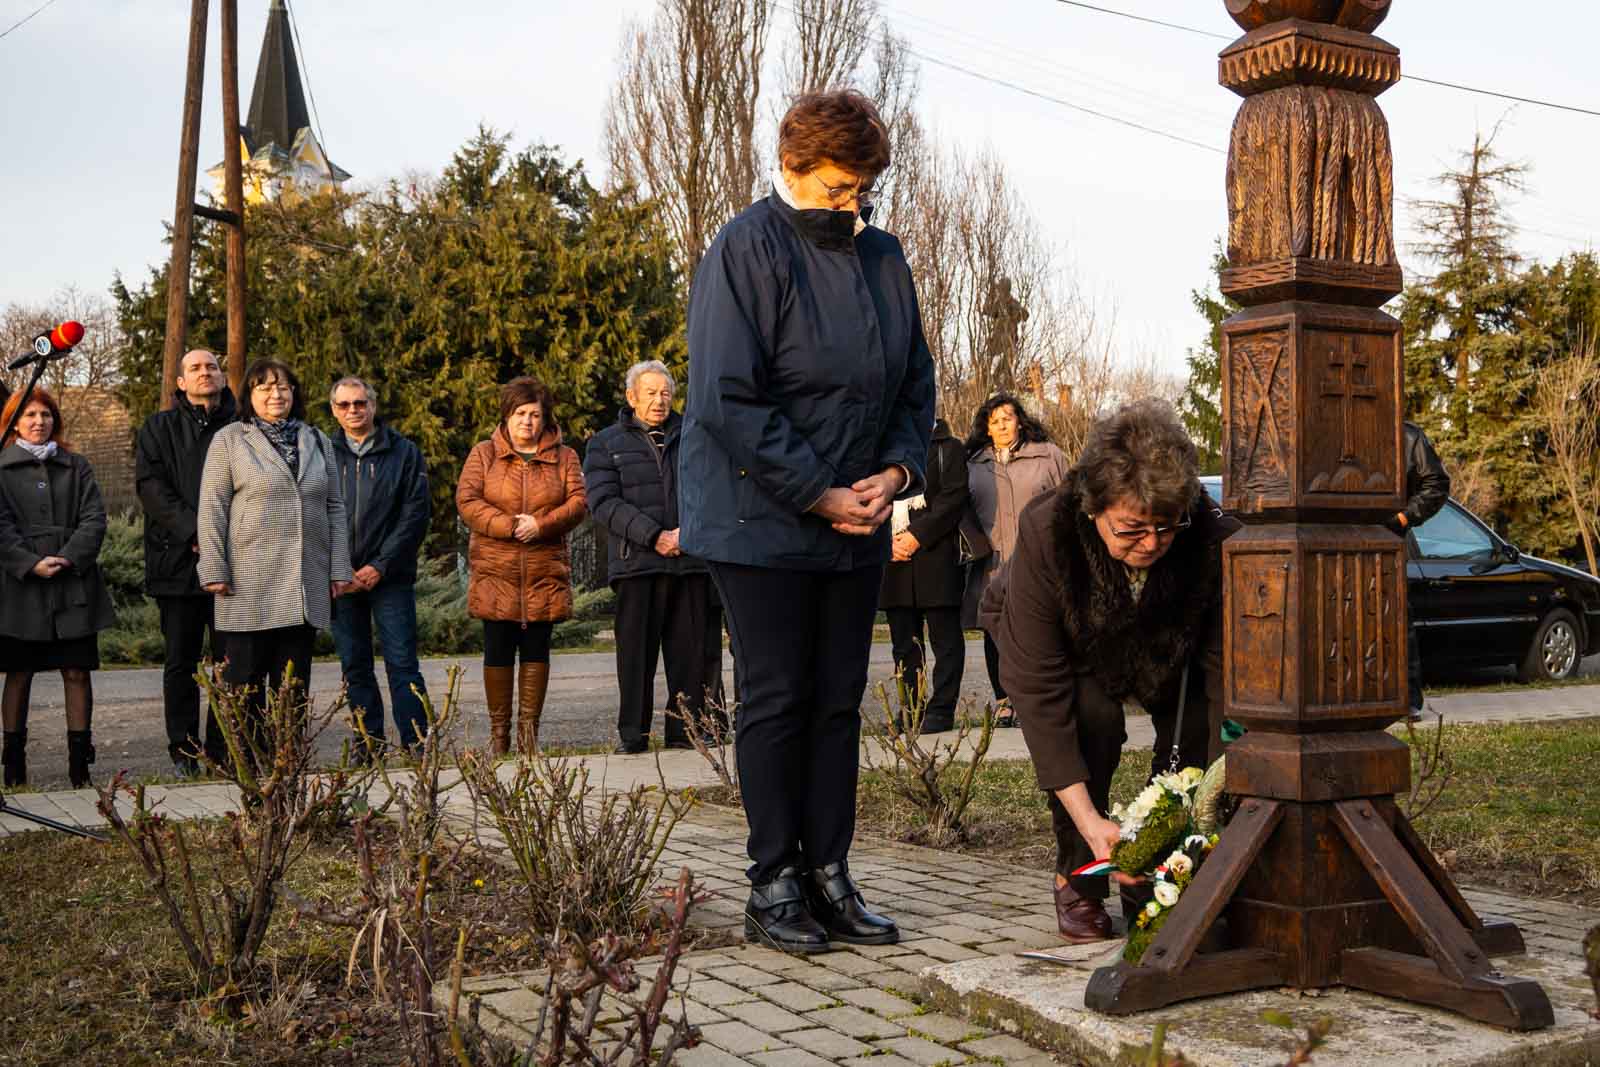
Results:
[385, 487]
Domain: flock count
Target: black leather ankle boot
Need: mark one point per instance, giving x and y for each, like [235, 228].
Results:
[80, 753]
[838, 906]
[14, 757]
[776, 916]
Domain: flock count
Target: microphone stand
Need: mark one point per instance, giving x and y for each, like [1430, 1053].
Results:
[39, 364]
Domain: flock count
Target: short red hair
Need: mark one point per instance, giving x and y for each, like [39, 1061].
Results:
[841, 127]
[14, 405]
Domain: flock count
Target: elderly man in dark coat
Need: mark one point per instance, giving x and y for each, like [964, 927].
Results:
[664, 598]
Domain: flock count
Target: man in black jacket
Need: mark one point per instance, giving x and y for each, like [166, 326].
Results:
[170, 456]
[1427, 488]
[664, 598]
[384, 483]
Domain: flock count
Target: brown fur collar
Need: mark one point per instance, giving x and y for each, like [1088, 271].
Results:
[1136, 650]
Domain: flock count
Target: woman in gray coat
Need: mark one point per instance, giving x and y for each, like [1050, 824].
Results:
[53, 600]
[273, 541]
[1010, 461]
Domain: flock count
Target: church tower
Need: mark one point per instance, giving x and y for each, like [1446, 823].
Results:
[282, 156]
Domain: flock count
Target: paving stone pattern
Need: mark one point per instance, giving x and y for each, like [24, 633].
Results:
[855, 1005]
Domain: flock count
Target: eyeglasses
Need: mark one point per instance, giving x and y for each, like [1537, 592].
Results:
[861, 192]
[1160, 532]
[274, 387]
[350, 405]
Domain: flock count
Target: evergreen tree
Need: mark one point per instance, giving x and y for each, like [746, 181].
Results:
[437, 292]
[1201, 404]
[1476, 333]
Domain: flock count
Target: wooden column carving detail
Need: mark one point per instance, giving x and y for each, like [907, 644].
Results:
[1319, 879]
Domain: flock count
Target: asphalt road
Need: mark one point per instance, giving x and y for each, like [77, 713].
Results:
[580, 710]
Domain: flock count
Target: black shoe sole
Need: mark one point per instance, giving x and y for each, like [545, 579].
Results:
[757, 934]
[890, 938]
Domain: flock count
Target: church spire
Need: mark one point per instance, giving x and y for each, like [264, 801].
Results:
[281, 151]
[278, 101]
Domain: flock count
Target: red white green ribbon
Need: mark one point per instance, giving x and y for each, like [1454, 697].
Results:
[1097, 867]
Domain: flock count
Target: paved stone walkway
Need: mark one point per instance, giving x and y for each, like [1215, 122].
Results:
[856, 1005]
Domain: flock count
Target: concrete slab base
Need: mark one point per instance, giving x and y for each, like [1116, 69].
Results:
[1042, 1002]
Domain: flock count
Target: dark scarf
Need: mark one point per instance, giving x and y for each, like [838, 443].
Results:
[1137, 648]
[285, 437]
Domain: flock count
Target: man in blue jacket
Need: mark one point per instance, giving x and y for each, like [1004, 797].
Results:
[664, 598]
[385, 487]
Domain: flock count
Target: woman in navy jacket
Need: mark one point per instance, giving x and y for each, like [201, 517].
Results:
[811, 393]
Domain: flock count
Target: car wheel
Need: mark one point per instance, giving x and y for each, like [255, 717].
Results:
[1556, 649]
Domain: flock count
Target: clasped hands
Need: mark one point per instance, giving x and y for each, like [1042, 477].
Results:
[50, 566]
[862, 508]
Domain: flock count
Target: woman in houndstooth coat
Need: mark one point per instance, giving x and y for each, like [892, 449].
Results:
[273, 541]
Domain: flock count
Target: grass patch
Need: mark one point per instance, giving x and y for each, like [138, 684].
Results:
[90, 971]
[1522, 813]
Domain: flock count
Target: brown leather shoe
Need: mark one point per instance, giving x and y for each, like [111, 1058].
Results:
[1081, 920]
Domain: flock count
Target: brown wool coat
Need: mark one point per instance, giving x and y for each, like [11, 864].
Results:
[512, 581]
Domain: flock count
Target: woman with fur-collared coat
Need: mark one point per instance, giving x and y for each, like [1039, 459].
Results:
[520, 493]
[1115, 586]
[271, 533]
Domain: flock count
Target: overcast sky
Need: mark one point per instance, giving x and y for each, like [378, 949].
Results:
[93, 91]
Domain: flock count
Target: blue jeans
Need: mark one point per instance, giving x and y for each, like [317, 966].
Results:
[392, 609]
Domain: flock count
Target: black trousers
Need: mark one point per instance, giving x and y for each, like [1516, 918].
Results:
[260, 658]
[991, 660]
[949, 655]
[663, 615]
[185, 621]
[504, 641]
[800, 645]
[1102, 731]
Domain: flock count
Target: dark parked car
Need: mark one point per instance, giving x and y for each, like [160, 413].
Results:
[1479, 602]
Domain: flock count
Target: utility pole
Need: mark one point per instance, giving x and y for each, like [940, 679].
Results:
[183, 213]
[186, 209]
[233, 192]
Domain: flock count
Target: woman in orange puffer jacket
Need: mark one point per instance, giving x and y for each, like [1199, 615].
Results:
[520, 493]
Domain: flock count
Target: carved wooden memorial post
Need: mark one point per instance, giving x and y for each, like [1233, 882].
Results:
[1319, 879]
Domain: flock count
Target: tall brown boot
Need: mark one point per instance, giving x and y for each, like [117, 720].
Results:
[532, 683]
[497, 683]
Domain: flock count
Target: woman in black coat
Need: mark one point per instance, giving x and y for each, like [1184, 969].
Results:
[53, 599]
[809, 410]
[924, 584]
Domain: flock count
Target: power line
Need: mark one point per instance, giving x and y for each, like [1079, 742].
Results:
[1059, 101]
[26, 18]
[1064, 103]
[1407, 77]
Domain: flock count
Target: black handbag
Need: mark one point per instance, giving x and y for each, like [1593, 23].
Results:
[972, 544]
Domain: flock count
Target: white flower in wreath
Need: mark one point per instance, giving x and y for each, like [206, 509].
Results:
[1166, 894]
[1179, 863]
[1190, 777]
[1195, 841]
[1152, 909]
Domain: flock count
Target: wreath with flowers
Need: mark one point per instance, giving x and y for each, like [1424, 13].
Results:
[1167, 832]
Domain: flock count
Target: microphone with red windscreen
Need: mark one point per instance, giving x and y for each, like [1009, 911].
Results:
[64, 338]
